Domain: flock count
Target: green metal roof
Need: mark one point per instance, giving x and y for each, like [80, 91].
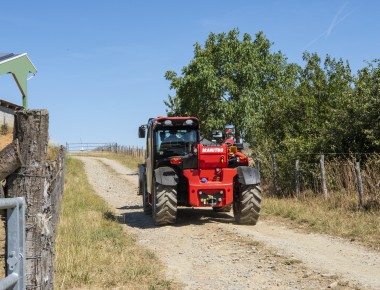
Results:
[20, 66]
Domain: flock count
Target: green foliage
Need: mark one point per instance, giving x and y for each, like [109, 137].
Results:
[225, 81]
[278, 106]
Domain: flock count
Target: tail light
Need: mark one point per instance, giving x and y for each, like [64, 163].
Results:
[176, 160]
[217, 176]
[243, 159]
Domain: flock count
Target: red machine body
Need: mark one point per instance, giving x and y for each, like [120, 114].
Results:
[212, 183]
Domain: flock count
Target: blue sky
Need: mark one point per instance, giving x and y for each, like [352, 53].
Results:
[101, 64]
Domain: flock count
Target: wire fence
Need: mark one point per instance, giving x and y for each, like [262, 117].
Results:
[132, 151]
[305, 174]
[323, 174]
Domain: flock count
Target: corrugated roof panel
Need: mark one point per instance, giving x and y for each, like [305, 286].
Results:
[4, 55]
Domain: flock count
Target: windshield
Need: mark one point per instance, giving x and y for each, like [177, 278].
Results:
[171, 142]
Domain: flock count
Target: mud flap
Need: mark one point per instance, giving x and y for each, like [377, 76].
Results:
[166, 176]
[248, 175]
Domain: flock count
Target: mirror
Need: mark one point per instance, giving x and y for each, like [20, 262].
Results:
[142, 131]
[217, 134]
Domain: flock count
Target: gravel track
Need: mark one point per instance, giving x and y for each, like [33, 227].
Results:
[207, 250]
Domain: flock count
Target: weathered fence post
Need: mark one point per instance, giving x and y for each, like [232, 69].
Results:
[257, 165]
[275, 179]
[30, 181]
[297, 175]
[359, 183]
[9, 159]
[323, 176]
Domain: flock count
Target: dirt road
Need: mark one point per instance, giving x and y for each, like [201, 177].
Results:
[207, 250]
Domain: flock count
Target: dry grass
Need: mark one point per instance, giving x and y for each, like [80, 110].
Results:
[53, 152]
[340, 214]
[6, 139]
[128, 161]
[92, 250]
[337, 216]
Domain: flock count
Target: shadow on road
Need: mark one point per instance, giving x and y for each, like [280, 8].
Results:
[129, 174]
[185, 217]
[130, 207]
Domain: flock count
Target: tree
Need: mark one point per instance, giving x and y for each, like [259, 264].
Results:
[227, 81]
[320, 106]
[278, 106]
[364, 109]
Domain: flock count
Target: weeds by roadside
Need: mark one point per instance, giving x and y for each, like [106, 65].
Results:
[333, 217]
[92, 250]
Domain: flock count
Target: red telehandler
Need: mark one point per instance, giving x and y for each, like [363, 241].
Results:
[180, 171]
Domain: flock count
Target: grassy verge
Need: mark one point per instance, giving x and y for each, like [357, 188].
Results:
[336, 216]
[92, 250]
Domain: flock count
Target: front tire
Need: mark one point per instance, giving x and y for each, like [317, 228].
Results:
[247, 204]
[146, 205]
[164, 204]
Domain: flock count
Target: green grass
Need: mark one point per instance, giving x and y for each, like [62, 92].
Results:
[92, 249]
[337, 216]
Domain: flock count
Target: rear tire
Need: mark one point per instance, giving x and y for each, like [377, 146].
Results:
[247, 204]
[164, 205]
[141, 189]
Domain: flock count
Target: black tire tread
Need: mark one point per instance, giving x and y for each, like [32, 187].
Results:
[146, 206]
[166, 205]
[248, 211]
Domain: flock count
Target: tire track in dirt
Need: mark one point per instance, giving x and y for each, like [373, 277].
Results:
[207, 250]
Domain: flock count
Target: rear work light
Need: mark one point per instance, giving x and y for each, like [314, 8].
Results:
[176, 160]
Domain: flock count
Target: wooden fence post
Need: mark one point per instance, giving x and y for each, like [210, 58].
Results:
[257, 165]
[359, 183]
[10, 159]
[31, 181]
[275, 179]
[323, 176]
[297, 175]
